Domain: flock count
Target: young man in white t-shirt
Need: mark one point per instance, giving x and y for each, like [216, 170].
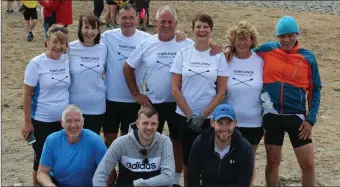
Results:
[121, 108]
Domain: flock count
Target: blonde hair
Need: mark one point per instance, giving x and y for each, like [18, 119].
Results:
[241, 30]
[58, 32]
[166, 8]
[70, 108]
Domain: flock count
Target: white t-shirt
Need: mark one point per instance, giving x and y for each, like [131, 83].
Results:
[119, 49]
[199, 72]
[87, 89]
[244, 88]
[51, 79]
[156, 58]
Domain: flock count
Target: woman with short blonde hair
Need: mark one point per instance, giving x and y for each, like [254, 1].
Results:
[245, 84]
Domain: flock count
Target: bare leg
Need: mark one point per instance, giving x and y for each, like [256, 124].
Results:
[33, 24]
[254, 148]
[34, 176]
[113, 9]
[273, 164]
[305, 157]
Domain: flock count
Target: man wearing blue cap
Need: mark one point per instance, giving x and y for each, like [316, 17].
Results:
[220, 156]
[291, 80]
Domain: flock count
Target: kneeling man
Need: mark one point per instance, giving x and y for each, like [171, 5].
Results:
[220, 156]
[144, 156]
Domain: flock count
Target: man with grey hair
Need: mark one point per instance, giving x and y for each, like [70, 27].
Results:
[72, 154]
[155, 55]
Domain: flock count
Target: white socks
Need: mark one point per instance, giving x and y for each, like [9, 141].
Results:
[178, 178]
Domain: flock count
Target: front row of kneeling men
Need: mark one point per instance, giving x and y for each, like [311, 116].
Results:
[78, 157]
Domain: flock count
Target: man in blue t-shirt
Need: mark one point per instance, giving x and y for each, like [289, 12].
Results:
[70, 156]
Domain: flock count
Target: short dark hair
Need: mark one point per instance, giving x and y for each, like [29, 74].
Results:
[205, 18]
[127, 6]
[91, 19]
[148, 111]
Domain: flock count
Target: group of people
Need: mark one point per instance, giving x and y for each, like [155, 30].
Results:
[142, 8]
[217, 105]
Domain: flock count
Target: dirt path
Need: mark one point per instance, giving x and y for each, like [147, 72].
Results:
[320, 33]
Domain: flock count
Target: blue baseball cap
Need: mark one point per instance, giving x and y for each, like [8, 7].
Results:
[286, 25]
[224, 111]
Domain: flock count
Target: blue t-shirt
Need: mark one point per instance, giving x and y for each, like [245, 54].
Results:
[73, 164]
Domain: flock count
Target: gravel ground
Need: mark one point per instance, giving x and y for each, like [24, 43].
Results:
[330, 7]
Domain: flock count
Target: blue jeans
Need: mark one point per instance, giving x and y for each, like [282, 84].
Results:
[46, 26]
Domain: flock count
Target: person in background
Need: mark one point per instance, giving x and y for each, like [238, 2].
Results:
[46, 94]
[142, 7]
[87, 67]
[56, 12]
[70, 156]
[9, 7]
[31, 17]
[98, 7]
[220, 156]
[110, 16]
[144, 156]
[245, 84]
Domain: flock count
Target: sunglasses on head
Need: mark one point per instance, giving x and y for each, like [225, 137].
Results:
[144, 153]
[61, 29]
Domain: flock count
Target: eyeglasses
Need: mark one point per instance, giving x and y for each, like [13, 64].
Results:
[144, 153]
[61, 29]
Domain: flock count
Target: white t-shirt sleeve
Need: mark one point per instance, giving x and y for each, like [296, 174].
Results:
[136, 57]
[222, 69]
[31, 74]
[106, 54]
[177, 65]
[103, 38]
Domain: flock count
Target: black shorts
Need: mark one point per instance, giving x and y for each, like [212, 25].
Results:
[189, 136]
[140, 4]
[276, 125]
[30, 13]
[167, 112]
[118, 113]
[41, 131]
[94, 122]
[253, 135]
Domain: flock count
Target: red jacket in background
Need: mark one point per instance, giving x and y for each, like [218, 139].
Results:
[63, 8]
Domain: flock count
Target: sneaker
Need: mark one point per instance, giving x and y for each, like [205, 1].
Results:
[108, 26]
[144, 28]
[31, 34]
[28, 38]
[22, 8]
[11, 11]
[8, 11]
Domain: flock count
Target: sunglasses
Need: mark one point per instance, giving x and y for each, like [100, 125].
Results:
[61, 29]
[144, 153]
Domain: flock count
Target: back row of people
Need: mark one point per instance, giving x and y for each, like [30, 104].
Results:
[198, 81]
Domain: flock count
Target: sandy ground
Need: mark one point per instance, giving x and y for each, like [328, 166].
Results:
[319, 33]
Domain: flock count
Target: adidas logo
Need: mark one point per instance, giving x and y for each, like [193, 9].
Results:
[139, 165]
